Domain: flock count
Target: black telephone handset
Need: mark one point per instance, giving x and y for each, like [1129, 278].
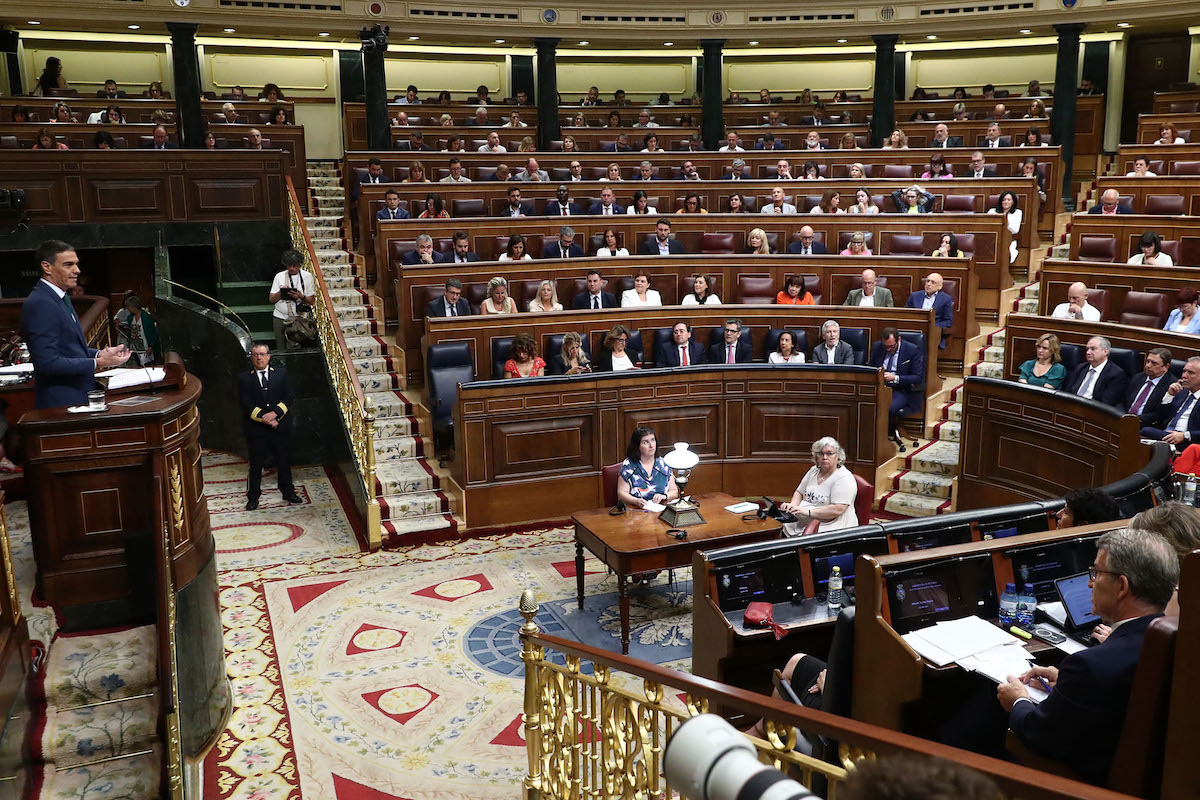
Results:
[775, 512]
[618, 509]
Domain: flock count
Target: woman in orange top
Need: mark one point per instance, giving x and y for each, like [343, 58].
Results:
[1188, 462]
[793, 293]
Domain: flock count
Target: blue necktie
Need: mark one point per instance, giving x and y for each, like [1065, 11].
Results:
[1182, 410]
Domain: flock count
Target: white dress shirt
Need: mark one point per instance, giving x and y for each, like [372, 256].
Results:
[1089, 312]
[786, 208]
[630, 297]
[867, 300]
[1090, 378]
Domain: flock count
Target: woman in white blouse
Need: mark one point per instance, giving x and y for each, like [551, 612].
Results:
[641, 294]
[1141, 168]
[786, 353]
[610, 247]
[1150, 252]
[1007, 205]
[701, 294]
[640, 204]
[547, 298]
[515, 250]
[863, 204]
[614, 173]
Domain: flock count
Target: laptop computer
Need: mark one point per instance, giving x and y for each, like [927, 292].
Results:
[1076, 598]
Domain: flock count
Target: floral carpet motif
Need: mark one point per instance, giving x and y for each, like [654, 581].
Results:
[351, 678]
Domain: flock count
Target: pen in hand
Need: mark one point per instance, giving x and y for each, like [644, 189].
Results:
[1042, 681]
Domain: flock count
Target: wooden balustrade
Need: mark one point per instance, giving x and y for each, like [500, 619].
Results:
[1117, 279]
[1127, 229]
[1154, 196]
[1150, 126]
[1168, 154]
[121, 186]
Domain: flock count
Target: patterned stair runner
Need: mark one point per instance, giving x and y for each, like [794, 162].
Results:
[98, 717]
[413, 507]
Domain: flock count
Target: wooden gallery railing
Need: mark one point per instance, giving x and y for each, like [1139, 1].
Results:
[603, 735]
[168, 672]
[357, 416]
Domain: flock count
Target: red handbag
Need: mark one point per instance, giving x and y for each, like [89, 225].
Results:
[762, 615]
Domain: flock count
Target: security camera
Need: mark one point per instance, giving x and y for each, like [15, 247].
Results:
[707, 759]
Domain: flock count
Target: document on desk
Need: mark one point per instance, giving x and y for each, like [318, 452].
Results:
[962, 637]
[652, 507]
[123, 378]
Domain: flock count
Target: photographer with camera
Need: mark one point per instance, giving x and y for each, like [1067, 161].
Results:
[293, 292]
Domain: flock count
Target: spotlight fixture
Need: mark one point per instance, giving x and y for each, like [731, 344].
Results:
[134, 27]
[34, 22]
[584, 43]
[413, 38]
[1122, 24]
[753, 43]
[841, 41]
[931, 36]
[498, 41]
[668, 44]
[1025, 31]
[323, 33]
[231, 30]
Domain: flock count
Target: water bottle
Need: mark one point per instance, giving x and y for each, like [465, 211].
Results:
[1026, 603]
[1189, 490]
[835, 589]
[1008, 605]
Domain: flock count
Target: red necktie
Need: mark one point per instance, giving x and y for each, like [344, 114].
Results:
[683, 355]
[729, 357]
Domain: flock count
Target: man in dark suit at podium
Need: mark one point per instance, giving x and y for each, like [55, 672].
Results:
[64, 366]
[266, 398]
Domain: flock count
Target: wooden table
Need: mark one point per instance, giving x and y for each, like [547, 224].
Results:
[636, 542]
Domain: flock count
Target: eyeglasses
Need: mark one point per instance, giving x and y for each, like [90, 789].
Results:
[1094, 573]
[827, 454]
[806, 238]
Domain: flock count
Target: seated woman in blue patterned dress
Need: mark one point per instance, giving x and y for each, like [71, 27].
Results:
[644, 477]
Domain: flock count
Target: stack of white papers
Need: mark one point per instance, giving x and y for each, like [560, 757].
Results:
[975, 645]
[742, 508]
[123, 378]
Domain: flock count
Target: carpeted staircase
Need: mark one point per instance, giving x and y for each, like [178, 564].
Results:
[95, 730]
[413, 507]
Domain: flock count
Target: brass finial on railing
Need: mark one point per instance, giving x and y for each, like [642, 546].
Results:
[531, 654]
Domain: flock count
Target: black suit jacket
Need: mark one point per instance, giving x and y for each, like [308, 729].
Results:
[1080, 722]
[554, 250]
[403, 145]
[167, 145]
[452, 259]
[1121, 209]
[584, 300]
[255, 402]
[554, 209]
[818, 248]
[603, 362]
[413, 257]
[844, 354]
[1161, 415]
[668, 354]
[1109, 388]
[742, 354]
[383, 213]
[1153, 399]
[650, 247]
[437, 308]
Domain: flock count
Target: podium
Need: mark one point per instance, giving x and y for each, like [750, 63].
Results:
[97, 523]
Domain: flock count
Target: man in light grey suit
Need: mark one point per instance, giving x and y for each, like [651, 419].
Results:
[833, 350]
[870, 294]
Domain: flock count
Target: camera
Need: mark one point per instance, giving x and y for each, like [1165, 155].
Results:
[707, 759]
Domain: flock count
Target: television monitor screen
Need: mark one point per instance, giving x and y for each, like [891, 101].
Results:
[942, 590]
[1041, 565]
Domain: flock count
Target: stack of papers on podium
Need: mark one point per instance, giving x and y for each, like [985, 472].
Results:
[123, 377]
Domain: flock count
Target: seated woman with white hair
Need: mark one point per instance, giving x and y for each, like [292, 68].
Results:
[826, 493]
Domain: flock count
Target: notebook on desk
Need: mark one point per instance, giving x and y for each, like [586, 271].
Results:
[1076, 598]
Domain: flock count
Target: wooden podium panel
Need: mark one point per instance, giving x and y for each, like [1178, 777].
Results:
[90, 479]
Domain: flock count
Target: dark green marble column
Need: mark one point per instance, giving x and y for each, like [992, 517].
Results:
[712, 110]
[1062, 123]
[350, 76]
[188, 114]
[547, 92]
[883, 111]
[379, 135]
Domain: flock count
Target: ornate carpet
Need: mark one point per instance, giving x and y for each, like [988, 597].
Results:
[397, 674]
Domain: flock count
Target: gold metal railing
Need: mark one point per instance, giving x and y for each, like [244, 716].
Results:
[352, 400]
[224, 308]
[603, 736]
